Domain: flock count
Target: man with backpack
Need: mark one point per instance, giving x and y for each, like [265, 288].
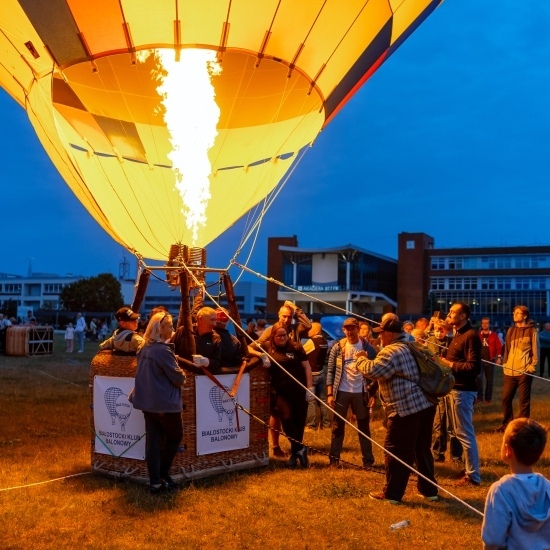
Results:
[464, 358]
[410, 413]
[347, 387]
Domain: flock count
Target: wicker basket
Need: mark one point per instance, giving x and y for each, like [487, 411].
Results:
[29, 340]
[187, 465]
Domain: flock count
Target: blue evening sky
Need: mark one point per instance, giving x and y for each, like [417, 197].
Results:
[450, 137]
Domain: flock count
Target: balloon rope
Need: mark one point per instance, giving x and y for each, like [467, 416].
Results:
[323, 404]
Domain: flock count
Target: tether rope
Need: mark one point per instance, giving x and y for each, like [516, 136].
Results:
[43, 482]
[321, 403]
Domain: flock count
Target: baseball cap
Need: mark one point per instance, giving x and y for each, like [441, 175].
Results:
[126, 314]
[389, 325]
[350, 322]
[221, 315]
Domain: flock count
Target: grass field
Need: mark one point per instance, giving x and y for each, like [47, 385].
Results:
[44, 435]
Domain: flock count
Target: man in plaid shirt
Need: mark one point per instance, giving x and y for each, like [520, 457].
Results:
[410, 414]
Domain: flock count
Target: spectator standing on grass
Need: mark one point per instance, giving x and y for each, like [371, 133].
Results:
[4, 324]
[347, 387]
[491, 352]
[69, 337]
[517, 507]
[157, 393]
[410, 414]
[464, 359]
[544, 339]
[296, 331]
[521, 356]
[80, 331]
[288, 399]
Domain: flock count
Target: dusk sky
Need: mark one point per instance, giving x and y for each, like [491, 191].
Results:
[450, 137]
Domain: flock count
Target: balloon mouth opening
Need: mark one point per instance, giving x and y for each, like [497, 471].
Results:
[182, 257]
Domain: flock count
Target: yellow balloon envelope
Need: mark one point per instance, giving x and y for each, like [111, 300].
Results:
[288, 66]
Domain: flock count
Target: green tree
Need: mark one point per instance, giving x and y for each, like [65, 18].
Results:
[99, 293]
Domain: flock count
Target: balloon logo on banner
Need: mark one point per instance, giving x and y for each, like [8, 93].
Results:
[222, 403]
[118, 406]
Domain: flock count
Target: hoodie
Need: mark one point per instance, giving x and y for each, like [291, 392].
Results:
[522, 353]
[517, 513]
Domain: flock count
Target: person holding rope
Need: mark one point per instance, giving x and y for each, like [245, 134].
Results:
[347, 387]
[289, 400]
[296, 331]
[410, 413]
[157, 393]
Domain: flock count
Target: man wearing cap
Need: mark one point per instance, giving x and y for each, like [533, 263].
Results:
[346, 387]
[410, 414]
[207, 344]
[125, 339]
[464, 358]
[231, 354]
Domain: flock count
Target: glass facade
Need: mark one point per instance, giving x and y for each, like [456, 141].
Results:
[503, 261]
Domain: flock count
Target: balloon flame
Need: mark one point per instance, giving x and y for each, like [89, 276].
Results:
[191, 116]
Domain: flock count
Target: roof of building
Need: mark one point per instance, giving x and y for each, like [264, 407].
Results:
[335, 250]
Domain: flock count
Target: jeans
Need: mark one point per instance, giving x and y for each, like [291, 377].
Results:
[164, 433]
[344, 400]
[80, 337]
[443, 429]
[462, 407]
[487, 370]
[511, 385]
[319, 391]
[409, 438]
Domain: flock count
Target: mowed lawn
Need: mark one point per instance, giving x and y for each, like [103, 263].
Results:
[45, 435]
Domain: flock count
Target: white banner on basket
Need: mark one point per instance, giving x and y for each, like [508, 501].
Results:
[118, 426]
[216, 416]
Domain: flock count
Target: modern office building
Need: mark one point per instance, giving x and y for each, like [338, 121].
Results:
[348, 276]
[491, 280]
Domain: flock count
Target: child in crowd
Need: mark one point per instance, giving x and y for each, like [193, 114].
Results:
[69, 338]
[517, 508]
[125, 339]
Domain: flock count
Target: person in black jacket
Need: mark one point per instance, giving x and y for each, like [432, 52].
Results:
[464, 358]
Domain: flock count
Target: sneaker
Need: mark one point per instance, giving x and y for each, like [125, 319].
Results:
[277, 451]
[368, 464]
[478, 401]
[432, 498]
[465, 481]
[302, 457]
[373, 495]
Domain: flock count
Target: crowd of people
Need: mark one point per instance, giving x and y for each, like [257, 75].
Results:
[316, 386]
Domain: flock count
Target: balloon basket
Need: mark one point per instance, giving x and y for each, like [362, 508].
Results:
[187, 465]
[29, 340]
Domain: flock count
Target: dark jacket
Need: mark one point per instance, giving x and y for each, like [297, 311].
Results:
[465, 354]
[208, 345]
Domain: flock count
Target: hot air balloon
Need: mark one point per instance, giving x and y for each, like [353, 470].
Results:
[110, 88]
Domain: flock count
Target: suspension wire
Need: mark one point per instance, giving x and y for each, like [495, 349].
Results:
[322, 404]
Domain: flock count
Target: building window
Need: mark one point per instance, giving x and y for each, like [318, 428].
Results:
[410, 245]
[52, 288]
[455, 283]
[470, 283]
[12, 289]
[455, 263]
[438, 283]
[504, 283]
[438, 262]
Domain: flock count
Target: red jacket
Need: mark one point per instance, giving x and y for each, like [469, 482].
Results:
[495, 347]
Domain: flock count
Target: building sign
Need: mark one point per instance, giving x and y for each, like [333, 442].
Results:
[119, 428]
[320, 288]
[216, 420]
